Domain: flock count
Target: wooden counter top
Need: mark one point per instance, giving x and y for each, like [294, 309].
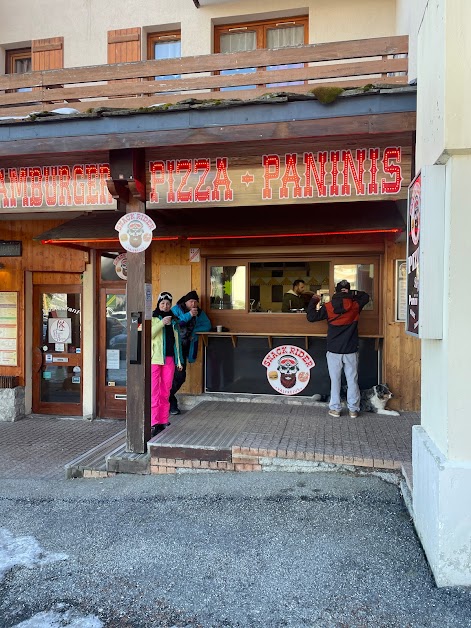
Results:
[233, 335]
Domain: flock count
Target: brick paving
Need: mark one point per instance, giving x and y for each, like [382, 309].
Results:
[40, 446]
[260, 435]
[219, 436]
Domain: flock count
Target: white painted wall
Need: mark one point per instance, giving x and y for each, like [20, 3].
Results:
[89, 349]
[442, 445]
[84, 24]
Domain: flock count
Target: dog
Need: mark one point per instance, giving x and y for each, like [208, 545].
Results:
[372, 399]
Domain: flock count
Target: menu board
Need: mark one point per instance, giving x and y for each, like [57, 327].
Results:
[8, 329]
[401, 290]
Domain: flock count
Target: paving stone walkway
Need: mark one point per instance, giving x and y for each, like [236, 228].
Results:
[40, 446]
[231, 436]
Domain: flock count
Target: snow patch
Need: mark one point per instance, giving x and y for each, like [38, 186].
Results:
[53, 619]
[23, 551]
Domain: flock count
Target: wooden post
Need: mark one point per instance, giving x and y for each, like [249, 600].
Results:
[127, 184]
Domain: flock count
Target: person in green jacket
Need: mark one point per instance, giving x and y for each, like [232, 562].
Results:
[166, 357]
[293, 300]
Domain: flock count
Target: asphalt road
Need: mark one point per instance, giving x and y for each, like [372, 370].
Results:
[224, 549]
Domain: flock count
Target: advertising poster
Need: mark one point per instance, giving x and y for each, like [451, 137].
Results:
[413, 253]
[8, 329]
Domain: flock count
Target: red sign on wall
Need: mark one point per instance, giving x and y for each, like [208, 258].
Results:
[308, 177]
[55, 187]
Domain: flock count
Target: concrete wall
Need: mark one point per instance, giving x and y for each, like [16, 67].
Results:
[84, 24]
[442, 445]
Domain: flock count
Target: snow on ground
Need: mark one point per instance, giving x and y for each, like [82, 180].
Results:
[56, 619]
[67, 619]
[25, 551]
[22, 551]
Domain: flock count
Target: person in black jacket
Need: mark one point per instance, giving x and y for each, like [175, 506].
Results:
[342, 313]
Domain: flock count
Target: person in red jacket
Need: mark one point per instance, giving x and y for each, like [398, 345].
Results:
[342, 313]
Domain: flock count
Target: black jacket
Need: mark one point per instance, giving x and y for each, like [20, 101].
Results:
[342, 314]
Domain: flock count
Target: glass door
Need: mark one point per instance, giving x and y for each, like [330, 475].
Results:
[112, 354]
[57, 350]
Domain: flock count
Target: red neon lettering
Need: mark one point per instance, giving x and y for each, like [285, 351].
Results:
[373, 184]
[291, 175]
[184, 165]
[50, 185]
[78, 187]
[222, 178]
[36, 178]
[157, 177]
[271, 170]
[319, 176]
[105, 174]
[18, 187]
[334, 158]
[92, 191]
[202, 196]
[171, 198]
[349, 167]
[3, 189]
[393, 187]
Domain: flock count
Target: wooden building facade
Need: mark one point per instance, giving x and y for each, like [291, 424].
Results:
[250, 187]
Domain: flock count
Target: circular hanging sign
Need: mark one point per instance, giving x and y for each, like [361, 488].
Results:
[121, 265]
[135, 231]
[288, 369]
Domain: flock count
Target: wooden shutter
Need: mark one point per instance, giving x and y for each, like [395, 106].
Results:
[124, 45]
[47, 54]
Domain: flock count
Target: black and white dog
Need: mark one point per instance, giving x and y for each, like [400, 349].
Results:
[371, 400]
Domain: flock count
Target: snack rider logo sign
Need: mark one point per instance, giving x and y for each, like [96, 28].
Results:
[121, 266]
[135, 231]
[413, 253]
[288, 369]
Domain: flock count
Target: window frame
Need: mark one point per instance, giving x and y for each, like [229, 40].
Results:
[332, 259]
[11, 56]
[261, 27]
[153, 37]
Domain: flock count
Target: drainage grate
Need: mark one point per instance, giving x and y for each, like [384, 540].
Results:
[8, 381]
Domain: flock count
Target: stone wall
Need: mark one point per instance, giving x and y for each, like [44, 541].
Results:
[12, 403]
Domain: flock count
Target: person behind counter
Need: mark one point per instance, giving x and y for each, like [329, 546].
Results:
[293, 299]
[166, 355]
[191, 319]
[342, 314]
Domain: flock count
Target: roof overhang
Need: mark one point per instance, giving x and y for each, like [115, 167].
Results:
[288, 222]
[193, 123]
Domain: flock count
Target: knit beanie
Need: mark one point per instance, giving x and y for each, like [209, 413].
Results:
[342, 285]
[192, 295]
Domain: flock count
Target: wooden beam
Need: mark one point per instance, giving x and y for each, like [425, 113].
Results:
[139, 273]
[349, 126]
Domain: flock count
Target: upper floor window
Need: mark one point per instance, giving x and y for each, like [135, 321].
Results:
[18, 62]
[164, 46]
[271, 34]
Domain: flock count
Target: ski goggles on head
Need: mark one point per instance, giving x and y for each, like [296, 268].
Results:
[165, 296]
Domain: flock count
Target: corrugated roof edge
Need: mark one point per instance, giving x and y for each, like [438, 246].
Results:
[213, 103]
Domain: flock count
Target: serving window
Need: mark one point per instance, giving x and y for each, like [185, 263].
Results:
[246, 295]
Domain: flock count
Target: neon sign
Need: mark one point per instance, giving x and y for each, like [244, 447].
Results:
[36, 187]
[291, 177]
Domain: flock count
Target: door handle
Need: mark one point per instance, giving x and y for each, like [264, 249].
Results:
[37, 359]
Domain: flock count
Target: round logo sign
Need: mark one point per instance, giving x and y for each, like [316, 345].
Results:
[288, 369]
[121, 265]
[135, 231]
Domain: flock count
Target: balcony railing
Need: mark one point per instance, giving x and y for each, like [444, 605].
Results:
[217, 76]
